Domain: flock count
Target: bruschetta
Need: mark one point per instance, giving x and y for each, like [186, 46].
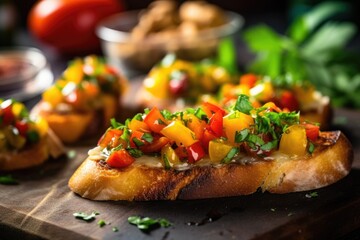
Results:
[210, 152]
[82, 100]
[178, 84]
[24, 141]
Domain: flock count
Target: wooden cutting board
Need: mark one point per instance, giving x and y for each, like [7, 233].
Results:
[42, 206]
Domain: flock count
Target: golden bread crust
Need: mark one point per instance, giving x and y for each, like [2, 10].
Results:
[73, 126]
[95, 181]
[29, 157]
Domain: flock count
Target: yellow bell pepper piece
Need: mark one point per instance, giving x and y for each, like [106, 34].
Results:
[157, 83]
[218, 151]
[263, 91]
[53, 95]
[178, 132]
[235, 122]
[74, 72]
[293, 141]
[169, 156]
[17, 108]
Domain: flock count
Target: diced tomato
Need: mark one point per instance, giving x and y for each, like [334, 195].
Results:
[210, 109]
[288, 100]
[155, 120]
[207, 137]
[137, 125]
[156, 145]
[312, 131]
[110, 136]
[7, 115]
[248, 79]
[120, 159]
[216, 124]
[138, 135]
[195, 152]
[22, 127]
[181, 152]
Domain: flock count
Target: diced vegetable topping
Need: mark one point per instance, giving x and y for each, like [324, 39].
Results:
[208, 132]
[17, 129]
[83, 82]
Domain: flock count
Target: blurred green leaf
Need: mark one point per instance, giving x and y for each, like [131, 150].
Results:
[329, 37]
[263, 38]
[307, 23]
[227, 55]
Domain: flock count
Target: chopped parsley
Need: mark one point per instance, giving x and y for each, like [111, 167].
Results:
[101, 223]
[86, 217]
[312, 195]
[8, 180]
[146, 223]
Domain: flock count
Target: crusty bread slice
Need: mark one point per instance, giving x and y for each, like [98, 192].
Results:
[74, 126]
[31, 156]
[327, 165]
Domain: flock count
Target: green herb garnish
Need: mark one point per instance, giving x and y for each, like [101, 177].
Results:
[101, 223]
[8, 180]
[311, 195]
[230, 155]
[146, 223]
[114, 229]
[86, 217]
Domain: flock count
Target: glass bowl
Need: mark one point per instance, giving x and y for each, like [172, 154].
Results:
[138, 57]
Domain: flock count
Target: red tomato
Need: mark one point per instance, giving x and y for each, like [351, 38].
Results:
[156, 145]
[248, 79]
[207, 137]
[155, 120]
[22, 127]
[110, 136]
[312, 131]
[289, 101]
[138, 135]
[69, 25]
[120, 159]
[210, 109]
[216, 124]
[195, 152]
[7, 115]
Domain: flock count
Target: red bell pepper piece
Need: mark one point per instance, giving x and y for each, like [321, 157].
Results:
[312, 131]
[138, 135]
[289, 101]
[216, 124]
[207, 137]
[22, 127]
[210, 109]
[155, 146]
[248, 79]
[120, 159]
[181, 152]
[155, 120]
[111, 135]
[7, 115]
[195, 152]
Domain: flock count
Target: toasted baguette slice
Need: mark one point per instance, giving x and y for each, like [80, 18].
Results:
[33, 155]
[74, 126]
[331, 162]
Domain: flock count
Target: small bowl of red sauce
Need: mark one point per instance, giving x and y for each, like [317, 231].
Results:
[19, 66]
